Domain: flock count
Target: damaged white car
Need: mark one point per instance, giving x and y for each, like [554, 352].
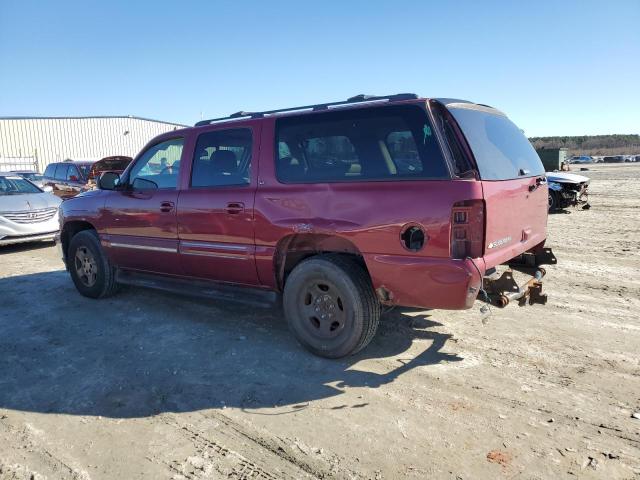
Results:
[567, 190]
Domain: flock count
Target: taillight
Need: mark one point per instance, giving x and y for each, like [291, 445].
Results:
[467, 229]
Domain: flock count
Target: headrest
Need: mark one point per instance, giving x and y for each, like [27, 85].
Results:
[224, 161]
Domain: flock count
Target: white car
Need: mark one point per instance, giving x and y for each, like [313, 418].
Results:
[27, 213]
[567, 190]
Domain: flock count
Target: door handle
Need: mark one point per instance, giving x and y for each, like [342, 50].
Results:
[234, 208]
[167, 206]
[539, 181]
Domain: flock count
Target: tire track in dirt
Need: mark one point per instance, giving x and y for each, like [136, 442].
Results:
[211, 455]
[235, 451]
[27, 440]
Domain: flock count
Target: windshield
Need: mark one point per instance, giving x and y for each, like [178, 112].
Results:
[501, 150]
[16, 186]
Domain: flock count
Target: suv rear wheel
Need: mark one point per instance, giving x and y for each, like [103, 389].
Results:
[330, 305]
[89, 267]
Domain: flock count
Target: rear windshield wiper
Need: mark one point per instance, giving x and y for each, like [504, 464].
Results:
[523, 172]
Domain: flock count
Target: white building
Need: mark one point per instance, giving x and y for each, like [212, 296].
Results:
[27, 143]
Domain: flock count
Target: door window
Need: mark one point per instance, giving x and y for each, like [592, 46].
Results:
[158, 167]
[222, 157]
[84, 170]
[61, 171]
[73, 172]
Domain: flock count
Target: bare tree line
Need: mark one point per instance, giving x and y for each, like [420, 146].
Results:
[592, 145]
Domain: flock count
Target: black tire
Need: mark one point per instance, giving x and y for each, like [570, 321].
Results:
[553, 201]
[89, 267]
[330, 305]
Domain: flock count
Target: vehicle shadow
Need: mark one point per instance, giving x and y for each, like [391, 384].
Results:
[23, 247]
[145, 352]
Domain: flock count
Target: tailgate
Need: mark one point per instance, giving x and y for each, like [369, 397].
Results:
[516, 218]
[513, 181]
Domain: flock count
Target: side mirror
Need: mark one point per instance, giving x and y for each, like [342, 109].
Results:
[47, 188]
[108, 181]
[144, 184]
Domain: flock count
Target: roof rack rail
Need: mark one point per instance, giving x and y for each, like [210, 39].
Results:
[320, 106]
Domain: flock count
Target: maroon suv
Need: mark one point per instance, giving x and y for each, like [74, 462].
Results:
[342, 207]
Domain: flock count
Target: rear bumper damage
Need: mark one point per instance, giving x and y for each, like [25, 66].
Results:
[502, 289]
[425, 282]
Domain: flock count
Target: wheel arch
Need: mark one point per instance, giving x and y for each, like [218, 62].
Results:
[294, 248]
[69, 230]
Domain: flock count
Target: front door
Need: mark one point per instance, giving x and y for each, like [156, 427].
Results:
[73, 182]
[60, 180]
[215, 212]
[139, 218]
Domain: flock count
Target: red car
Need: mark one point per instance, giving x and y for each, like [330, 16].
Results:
[116, 163]
[343, 208]
[68, 178]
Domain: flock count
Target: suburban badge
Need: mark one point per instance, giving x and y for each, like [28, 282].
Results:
[499, 243]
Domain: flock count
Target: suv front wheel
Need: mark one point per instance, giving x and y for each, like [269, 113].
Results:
[89, 267]
[330, 305]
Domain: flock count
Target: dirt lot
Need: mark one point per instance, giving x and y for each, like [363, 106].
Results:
[150, 385]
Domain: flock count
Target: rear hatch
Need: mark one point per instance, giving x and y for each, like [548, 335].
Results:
[513, 181]
[109, 164]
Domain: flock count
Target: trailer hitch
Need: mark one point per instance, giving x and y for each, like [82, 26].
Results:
[504, 289]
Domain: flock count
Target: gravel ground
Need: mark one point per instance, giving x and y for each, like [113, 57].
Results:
[151, 385]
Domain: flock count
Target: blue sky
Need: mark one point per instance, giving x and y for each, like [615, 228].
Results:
[555, 67]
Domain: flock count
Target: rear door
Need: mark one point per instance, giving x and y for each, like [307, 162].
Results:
[216, 207]
[513, 181]
[74, 183]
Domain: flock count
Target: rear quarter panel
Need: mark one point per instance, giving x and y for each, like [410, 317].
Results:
[370, 215]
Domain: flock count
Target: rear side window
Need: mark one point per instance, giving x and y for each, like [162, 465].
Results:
[50, 170]
[501, 150]
[389, 143]
[222, 157]
[404, 152]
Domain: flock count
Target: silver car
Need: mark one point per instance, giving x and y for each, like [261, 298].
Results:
[27, 213]
[33, 177]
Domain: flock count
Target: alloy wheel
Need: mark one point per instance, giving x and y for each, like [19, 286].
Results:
[86, 266]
